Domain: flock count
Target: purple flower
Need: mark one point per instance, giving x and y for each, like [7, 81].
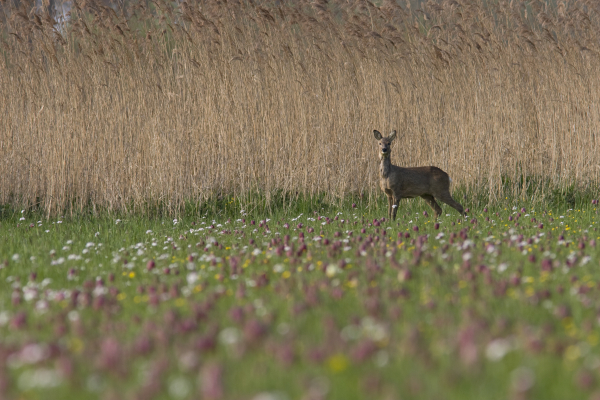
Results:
[142, 345]
[546, 265]
[285, 354]
[236, 314]
[19, 321]
[363, 350]
[254, 330]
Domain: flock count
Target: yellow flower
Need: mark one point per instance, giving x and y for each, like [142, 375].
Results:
[75, 345]
[572, 353]
[286, 274]
[132, 274]
[337, 363]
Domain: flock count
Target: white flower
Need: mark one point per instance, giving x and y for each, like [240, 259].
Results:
[331, 270]
[192, 278]
[497, 349]
[229, 336]
[39, 379]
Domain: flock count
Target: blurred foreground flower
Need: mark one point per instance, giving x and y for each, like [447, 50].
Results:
[211, 381]
[337, 363]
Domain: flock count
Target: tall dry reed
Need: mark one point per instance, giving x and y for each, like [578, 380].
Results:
[150, 102]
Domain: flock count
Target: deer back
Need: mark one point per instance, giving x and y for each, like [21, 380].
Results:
[417, 181]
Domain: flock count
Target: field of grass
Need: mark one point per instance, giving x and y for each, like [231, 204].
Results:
[331, 303]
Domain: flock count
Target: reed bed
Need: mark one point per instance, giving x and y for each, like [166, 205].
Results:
[142, 103]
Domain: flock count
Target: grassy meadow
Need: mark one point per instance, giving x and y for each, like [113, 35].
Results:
[189, 200]
[339, 304]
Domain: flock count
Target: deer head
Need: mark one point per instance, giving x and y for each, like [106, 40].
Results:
[384, 143]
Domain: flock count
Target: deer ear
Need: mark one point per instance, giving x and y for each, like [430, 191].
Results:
[377, 134]
[392, 135]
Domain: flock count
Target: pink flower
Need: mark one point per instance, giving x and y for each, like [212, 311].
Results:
[211, 381]
[110, 354]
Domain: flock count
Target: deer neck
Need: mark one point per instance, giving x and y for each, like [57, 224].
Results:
[385, 165]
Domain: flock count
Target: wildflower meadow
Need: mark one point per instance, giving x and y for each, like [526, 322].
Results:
[323, 304]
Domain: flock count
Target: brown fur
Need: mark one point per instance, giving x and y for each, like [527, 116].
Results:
[429, 183]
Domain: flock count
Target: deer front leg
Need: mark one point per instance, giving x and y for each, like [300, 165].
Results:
[395, 207]
[390, 202]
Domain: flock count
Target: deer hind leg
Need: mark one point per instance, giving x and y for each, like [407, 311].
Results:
[446, 198]
[429, 199]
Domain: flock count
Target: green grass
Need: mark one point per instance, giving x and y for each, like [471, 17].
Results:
[468, 315]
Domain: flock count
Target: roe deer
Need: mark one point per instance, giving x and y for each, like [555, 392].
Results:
[400, 183]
